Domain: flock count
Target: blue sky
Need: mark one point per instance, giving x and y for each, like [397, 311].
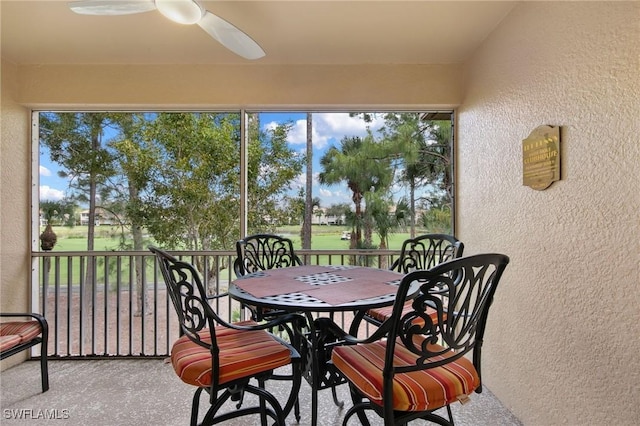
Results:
[328, 129]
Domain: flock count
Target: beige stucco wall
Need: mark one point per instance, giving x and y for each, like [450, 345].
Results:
[252, 86]
[15, 202]
[563, 340]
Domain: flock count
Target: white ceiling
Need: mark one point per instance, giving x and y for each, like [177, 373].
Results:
[291, 32]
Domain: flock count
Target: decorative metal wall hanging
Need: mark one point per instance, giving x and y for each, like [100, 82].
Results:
[541, 157]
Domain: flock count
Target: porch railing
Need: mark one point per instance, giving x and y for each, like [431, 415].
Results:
[96, 305]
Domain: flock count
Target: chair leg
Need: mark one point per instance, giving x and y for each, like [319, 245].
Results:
[263, 405]
[293, 400]
[269, 405]
[334, 393]
[450, 414]
[359, 410]
[358, 406]
[195, 405]
[44, 369]
[296, 410]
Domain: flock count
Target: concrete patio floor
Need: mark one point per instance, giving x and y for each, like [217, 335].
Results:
[147, 392]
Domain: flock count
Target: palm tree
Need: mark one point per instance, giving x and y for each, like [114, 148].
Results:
[402, 212]
[424, 151]
[378, 208]
[365, 167]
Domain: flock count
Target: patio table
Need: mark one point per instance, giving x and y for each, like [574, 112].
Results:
[312, 288]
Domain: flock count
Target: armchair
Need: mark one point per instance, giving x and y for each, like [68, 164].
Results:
[422, 252]
[21, 334]
[407, 369]
[261, 252]
[221, 358]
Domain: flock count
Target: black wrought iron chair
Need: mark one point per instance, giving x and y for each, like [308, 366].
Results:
[422, 252]
[222, 358]
[260, 252]
[412, 365]
[23, 332]
[426, 251]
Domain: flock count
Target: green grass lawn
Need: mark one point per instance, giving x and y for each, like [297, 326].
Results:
[74, 239]
[324, 238]
[333, 241]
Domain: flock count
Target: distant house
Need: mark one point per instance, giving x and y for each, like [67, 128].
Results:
[320, 217]
[103, 217]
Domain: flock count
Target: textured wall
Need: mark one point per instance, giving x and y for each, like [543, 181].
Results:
[563, 341]
[15, 196]
[255, 85]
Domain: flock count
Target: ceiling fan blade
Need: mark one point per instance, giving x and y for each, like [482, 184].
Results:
[230, 37]
[111, 7]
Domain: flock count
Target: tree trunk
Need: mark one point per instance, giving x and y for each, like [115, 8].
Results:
[357, 200]
[308, 208]
[88, 293]
[384, 260]
[412, 208]
[142, 300]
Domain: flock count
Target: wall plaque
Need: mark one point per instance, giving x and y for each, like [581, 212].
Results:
[541, 157]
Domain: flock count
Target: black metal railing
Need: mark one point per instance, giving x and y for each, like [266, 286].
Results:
[114, 304]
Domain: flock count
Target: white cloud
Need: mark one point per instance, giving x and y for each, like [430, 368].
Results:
[50, 194]
[328, 127]
[298, 133]
[44, 171]
[338, 125]
[300, 181]
[325, 192]
[329, 198]
[271, 125]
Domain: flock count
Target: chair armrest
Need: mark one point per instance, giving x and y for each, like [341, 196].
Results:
[21, 314]
[293, 318]
[331, 332]
[217, 296]
[296, 319]
[42, 320]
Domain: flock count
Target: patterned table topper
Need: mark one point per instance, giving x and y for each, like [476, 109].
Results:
[332, 285]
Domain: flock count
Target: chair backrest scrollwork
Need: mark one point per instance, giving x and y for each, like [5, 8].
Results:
[261, 252]
[188, 296]
[468, 285]
[426, 251]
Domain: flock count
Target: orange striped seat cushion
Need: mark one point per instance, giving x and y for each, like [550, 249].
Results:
[382, 314]
[242, 354]
[25, 330]
[8, 342]
[422, 390]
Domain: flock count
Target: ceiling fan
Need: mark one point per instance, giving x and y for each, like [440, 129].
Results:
[186, 12]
